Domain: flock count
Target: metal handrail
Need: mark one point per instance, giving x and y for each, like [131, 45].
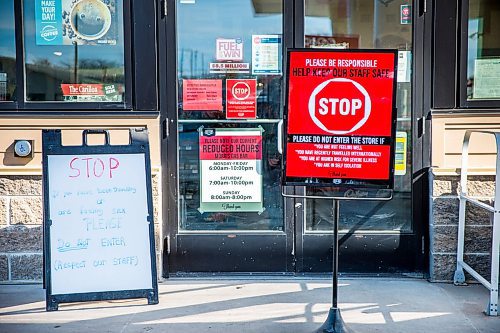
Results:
[459, 278]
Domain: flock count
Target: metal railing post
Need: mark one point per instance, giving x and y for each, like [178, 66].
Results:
[459, 278]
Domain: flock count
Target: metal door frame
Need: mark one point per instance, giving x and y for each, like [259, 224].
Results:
[417, 242]
[169, 139]
[293, 32]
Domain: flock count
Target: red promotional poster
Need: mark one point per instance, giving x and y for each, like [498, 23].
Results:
[82, 89]
[341, 118]
[241, 99]
[202, 95]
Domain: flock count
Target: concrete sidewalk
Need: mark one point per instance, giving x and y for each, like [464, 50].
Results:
[260, 305]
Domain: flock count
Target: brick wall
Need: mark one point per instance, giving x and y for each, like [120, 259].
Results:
[444, 226]
[21, 216]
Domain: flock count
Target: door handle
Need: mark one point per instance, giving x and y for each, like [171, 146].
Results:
[280, 136]
[164, 7]
[422, 7]
[420, 127]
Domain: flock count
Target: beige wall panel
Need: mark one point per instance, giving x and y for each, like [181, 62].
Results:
[479, 143]
[7, 137]
[74, 138]
[437, 157]
[31, 129]
[477, 162]
[447, 139]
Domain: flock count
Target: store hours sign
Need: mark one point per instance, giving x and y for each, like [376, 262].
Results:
[230, 169]
[341, 118]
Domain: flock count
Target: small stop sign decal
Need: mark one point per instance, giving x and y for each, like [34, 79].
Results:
[241, 98]
[241, 91]
[339, 106]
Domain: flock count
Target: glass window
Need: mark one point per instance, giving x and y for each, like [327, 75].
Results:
[241, 187]
[244, 42]
[368, 24]
[7, 51]
[483, 55]
[229, 65]
[74, 50]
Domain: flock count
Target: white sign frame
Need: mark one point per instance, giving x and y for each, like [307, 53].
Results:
[98, 220]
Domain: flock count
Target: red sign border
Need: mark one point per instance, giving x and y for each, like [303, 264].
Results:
[386, 184]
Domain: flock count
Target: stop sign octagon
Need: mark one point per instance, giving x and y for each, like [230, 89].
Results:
[241, 90]
[339, 106]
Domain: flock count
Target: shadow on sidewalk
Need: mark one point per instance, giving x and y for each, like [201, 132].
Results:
[368, 305]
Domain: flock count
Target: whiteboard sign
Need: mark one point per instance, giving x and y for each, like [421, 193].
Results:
[98, 225]
[99, 238]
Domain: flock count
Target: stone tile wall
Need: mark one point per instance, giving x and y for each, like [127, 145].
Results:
[21, 228]
[21, 216]
[444, 226]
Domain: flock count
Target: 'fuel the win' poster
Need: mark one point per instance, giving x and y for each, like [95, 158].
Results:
[341, 118]
[230, 170]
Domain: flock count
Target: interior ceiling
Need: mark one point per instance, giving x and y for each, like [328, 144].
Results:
[267, 6]
[319, 8]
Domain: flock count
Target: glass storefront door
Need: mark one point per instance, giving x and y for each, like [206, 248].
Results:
[230, 214]
[375, 236]
[229, 86]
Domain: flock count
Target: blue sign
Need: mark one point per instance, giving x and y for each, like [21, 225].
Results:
[266, 51]
[48, 18]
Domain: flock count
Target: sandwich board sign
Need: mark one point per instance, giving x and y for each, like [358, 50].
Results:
[98, 220]
[340, 118]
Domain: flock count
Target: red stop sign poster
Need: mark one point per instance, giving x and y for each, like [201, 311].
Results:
[241, 99]
[340, 118]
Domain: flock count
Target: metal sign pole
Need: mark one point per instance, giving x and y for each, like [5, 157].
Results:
[334, 322]
[335, 255]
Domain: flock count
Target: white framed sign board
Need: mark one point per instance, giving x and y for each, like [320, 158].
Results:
[98, 221]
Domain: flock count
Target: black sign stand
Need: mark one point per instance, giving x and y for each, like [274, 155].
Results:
[306, 135]
[334, 322]
[52, 145]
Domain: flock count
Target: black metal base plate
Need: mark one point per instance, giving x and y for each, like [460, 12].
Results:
[334, 323]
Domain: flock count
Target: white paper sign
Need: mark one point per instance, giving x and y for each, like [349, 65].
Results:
[487, 79]
[229, 49]
[266, 54]
[231, 170]
[404, 66]
[229, 67]
[99, 236]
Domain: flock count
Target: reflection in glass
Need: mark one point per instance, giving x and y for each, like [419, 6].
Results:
[368, 24]
[393, 215]
[7, 51]
[200, 24]
[483, 52]
[191, 219]
[196, 49]
[74, 51]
